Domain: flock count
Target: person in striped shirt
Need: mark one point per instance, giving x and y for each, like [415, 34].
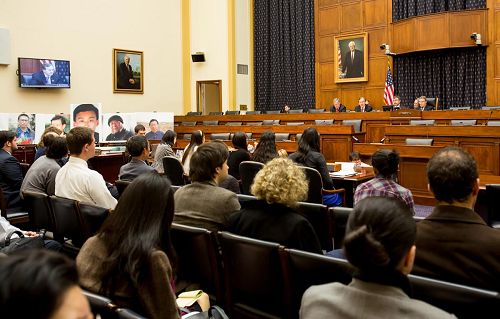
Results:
[385, 165]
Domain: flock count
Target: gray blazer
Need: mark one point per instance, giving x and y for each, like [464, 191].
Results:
[133, 169]
[362, 299]
[205, 205]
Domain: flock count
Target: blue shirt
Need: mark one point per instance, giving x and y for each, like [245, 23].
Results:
[154, 135]
[25, 137]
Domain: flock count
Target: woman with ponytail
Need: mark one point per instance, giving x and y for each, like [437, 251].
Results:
[380, 244]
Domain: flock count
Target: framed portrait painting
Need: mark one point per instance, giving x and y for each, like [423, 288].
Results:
[352, 58]
[128, 71]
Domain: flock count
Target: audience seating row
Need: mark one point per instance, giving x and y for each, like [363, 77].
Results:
[71, 221]
[266, 280]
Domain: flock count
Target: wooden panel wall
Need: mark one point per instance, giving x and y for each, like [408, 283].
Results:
[344, 17]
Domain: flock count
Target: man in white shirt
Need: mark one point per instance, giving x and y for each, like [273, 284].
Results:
[75, 180]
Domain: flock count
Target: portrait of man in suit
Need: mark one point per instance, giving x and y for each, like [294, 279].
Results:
[352, 58]
[128, 70]
[353, 64]
[47, 75]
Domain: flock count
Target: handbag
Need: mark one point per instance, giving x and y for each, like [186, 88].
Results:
[10, 245]
[214, 312]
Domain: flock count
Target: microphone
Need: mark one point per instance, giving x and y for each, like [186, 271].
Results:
[489, 117]
[382, 140]
[355, 138]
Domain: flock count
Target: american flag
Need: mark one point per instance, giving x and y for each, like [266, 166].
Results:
[389, 86]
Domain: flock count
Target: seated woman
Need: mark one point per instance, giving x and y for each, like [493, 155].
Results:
[266, 148]
[164, 149]
[238, 155]
[380, 244]
[130, 259]
[197, 138]
[279, 186]
[48, 133]
[308, 154]
[41, 284]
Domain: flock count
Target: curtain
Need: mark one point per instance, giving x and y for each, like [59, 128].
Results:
[402, 9]
[284, 54]
[456, 76]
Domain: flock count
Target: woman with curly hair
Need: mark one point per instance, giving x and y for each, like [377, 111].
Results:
[279, 186]
[266, 148]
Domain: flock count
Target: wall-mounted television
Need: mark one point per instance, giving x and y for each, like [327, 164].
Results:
[43, 73]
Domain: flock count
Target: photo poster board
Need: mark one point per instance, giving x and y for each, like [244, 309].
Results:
[9, 121]
[165, 120]
[83, 114]
[128, 123]
[42, 121]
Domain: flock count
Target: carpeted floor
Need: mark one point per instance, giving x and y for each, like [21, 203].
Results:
[423, 211]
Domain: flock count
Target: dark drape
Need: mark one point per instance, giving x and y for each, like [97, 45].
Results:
[284, 54]
[402, 9]
[456, 76]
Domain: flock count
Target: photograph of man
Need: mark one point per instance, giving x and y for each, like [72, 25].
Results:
[155, 133]
[125, 74]
[362, 107]
[24, 134]
[59, 122]
[47, 75]
[118, 132]
[353, 62]
[87, 115]
[337, 106]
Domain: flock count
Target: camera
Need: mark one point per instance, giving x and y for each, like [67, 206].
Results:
[476, 37]
[387, 48]
[382, 46]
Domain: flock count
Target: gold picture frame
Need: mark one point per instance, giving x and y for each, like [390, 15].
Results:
[128, 77]
[351, 64]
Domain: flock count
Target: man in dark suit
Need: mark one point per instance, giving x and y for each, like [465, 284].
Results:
[454, 243]
[362, 107]
[337, 106]
[125, 74]
[138, 148]
[11, 175]
[46, 76]
[422, 104]
[353, 63]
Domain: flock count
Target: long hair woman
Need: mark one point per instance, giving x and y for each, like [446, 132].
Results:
[380, 244]
[197, 138]
[238, 155]
[164, 149]
[130, 259]
[266, 148]
[308, 154]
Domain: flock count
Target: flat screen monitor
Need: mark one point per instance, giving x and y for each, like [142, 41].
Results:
[43, 73]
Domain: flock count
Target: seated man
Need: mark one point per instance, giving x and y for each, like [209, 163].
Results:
[41, 176]
[203, 203]
[139, 129]
[422, 104]
[454, 243]
[76, 180]
[385, 165]
[11, 175]
[337, 106]
[362, 106]
[138, 148]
